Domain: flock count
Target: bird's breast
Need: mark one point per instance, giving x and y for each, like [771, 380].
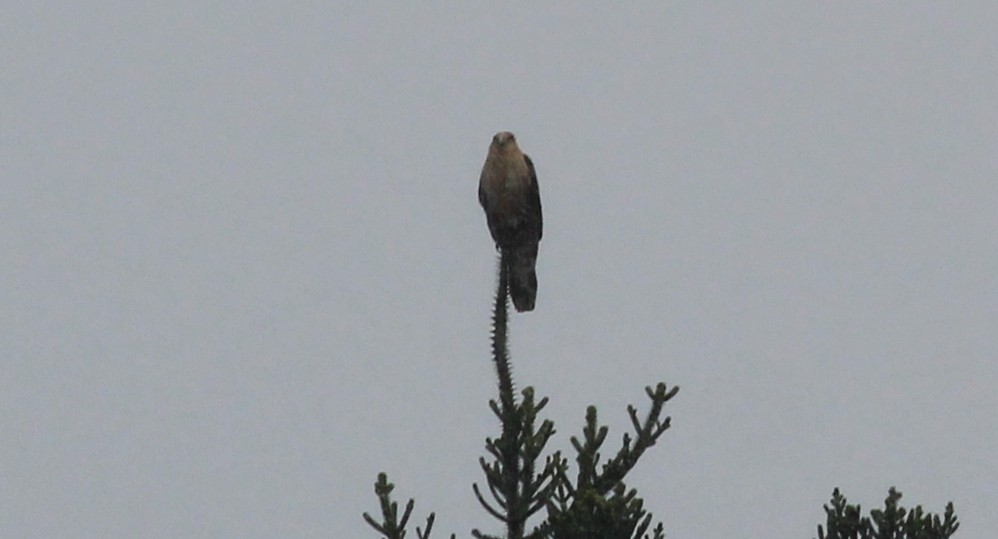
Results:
[505, 191]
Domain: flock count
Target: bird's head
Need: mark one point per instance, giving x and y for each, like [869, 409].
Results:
[503, 138]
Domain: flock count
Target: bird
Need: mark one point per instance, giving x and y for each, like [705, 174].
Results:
[508, 192]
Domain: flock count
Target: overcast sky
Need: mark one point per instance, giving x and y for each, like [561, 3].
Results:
[244, 268]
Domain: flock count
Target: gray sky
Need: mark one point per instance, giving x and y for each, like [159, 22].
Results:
[244, 268]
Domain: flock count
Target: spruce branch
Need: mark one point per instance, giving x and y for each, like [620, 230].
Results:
[391, 527]
[516, 488]
[647, 432]
[590, 515]
[844, 521]
[500, 349]
[599, 505]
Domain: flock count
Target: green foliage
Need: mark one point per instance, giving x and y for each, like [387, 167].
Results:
[520, 480]
[598, 504]
[845, 521]
[517, 489]
[592, 515]
[391, 526]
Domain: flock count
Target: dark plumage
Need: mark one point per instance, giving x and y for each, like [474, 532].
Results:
[507, 190]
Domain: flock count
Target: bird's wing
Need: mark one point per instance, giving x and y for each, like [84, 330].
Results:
[534, 216]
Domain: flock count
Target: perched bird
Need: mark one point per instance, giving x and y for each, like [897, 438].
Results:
[507, 190]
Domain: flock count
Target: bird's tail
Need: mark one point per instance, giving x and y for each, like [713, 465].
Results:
[523, 277]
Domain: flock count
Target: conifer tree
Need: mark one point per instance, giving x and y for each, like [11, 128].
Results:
[845, 521]
[521, 480]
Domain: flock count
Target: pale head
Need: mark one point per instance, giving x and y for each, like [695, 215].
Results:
[503, 138]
